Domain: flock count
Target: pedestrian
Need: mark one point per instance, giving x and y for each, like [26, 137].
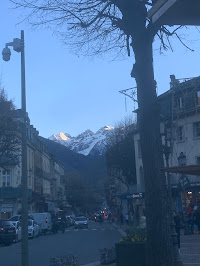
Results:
[131, 219]
[126, 217]
[191, 223]
[177, 227]
[113, 218]
[122, 218]
[196, 217]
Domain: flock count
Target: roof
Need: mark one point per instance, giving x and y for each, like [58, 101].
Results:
[175, 12]
[184, 169]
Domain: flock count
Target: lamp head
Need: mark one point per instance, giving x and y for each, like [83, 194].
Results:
[6, 53]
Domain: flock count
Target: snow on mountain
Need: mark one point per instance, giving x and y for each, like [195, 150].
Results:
[85, 143]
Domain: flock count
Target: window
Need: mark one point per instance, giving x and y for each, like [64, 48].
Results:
[6, 178]
[141, 176]
[179, 102]
[180, 133]
[198, 160]
[196, 129]
[198, 97]
[139, 149]
[29, 181]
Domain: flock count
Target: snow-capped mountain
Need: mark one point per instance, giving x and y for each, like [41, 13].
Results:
[85, 143]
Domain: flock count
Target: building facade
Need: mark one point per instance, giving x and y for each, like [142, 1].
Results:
[45, 183]
[180, 131]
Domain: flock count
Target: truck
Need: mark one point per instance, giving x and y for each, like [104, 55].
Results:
[43, 219]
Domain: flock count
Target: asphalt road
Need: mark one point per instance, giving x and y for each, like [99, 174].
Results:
[85, 243]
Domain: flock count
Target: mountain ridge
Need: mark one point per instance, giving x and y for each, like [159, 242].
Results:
[86, 143]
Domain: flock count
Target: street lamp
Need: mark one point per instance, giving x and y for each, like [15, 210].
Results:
[165, 131]
[18, 46]
[182, 159]
[184, 182]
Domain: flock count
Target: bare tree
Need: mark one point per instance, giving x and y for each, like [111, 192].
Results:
[104, 25]
[9, 133]
[120, 153]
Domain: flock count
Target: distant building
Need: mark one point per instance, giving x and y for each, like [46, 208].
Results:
[45, 178]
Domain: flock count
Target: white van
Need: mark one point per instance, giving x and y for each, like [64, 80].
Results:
[43, 219]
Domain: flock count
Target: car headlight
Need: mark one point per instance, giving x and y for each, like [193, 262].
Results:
[85, 223]
[76, 223]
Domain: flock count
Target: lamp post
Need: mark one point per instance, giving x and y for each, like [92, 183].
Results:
[18, 46]
[166, 133]
[184, 182]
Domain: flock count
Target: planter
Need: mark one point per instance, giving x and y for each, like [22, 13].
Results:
[130, 254]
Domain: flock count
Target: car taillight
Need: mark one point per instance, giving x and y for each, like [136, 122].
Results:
[1, 229]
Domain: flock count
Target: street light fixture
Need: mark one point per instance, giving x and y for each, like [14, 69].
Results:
[18, 46]
[182, 159]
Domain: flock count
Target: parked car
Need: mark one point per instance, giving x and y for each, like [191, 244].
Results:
[33, 229]
[7, 232]
[18, 229]
[18, 218]
[81, 222]
[43, 220]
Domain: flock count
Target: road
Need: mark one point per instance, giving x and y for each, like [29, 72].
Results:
[85, 243]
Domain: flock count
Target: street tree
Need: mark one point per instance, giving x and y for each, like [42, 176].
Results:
[81, 196]
[120, 153]
[9, 133]
[102, 25]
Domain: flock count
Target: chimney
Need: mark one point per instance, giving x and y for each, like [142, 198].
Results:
[173, 81]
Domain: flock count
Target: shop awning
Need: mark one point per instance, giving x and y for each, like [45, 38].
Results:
[175, 12]
[185, 169]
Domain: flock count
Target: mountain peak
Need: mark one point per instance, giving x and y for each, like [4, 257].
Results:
[85, 143]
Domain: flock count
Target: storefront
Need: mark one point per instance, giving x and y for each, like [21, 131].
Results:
[185, 195]
[133, 204]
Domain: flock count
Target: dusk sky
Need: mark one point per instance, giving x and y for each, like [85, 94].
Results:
[69, 93]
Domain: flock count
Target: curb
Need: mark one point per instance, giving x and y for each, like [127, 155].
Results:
[122, 232]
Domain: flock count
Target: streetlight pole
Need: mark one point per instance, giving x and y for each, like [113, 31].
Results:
[18, 46]
[184, 182]
[177, 261]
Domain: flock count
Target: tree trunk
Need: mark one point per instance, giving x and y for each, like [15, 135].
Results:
[159, 242]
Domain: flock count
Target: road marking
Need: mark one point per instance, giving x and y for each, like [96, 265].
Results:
[67, 230]
[121, 232]
[85, 229]
[94, 229]
[102, 229]
[76, 230]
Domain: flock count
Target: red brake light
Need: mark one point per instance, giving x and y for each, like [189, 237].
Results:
[95, 217]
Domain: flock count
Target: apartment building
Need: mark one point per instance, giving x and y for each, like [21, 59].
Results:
[41, 177]
[180, 131]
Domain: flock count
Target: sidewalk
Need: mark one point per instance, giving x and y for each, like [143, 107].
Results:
[190, 249]
[190, 246]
